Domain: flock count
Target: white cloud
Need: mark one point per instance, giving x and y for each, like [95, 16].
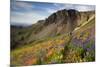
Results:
[17, 5]
[24, 5]
[75, 6]
[49, 10]
[26, 17]
[84, 8]
[80, 7]
[56, 4]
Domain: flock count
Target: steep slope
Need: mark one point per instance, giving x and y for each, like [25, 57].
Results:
[20, 35]
[60, 22]
[59, 49]
[63, 21]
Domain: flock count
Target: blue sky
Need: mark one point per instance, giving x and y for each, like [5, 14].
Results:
[25, 12]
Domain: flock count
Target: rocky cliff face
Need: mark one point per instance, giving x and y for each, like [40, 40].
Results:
[62, 21]
[66, 18]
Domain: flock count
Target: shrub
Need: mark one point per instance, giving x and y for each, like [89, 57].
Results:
[73, 53]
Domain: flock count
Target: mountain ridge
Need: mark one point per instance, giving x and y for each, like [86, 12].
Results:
[60, 22]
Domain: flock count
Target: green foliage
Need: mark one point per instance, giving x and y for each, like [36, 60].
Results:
[73, 53]
[55, 58]
[90, 56]
[46, 51]
[90, 44]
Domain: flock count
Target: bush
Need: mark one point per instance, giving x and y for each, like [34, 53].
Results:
[73, 53]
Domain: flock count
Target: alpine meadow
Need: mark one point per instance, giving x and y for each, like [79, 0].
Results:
[51, 33]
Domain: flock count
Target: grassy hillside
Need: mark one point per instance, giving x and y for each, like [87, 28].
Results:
[21, 35]
[78, 46]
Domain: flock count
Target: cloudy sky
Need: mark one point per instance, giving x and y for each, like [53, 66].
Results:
[25, 12]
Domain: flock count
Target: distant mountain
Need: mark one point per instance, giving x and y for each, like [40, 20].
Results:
[61, 22]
